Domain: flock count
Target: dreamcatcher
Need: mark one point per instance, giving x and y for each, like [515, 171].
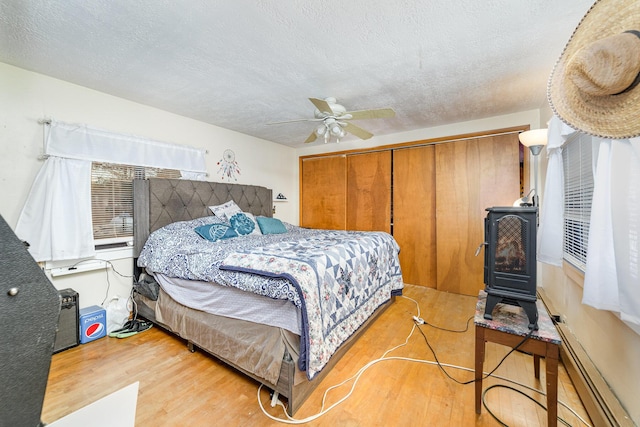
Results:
[228, 167]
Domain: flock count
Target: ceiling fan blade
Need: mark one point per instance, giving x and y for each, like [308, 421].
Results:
[294, 121]
[381, 113]
[357, 131]
[322, 106]
[311, 137]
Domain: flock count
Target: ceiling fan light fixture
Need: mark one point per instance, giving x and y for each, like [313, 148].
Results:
[334, 117]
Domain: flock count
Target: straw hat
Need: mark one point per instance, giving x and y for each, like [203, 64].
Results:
[594, 85]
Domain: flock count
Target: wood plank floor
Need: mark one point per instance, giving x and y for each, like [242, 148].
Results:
[179, 388]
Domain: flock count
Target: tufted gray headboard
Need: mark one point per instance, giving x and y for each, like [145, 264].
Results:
[158, 202]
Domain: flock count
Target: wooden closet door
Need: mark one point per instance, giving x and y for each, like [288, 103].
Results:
[369, 191]
[323, 187]
[471, 175]
[414, 207]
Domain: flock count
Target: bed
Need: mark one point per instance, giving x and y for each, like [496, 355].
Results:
[281, 307]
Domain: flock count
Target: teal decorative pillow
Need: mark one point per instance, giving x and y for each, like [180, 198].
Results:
[271, 225]
[215, 232]
[244, 223]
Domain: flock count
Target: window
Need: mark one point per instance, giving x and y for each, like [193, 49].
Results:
[112, 198]
[578, 193]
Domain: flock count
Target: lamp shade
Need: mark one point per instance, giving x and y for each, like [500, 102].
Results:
[532, 138]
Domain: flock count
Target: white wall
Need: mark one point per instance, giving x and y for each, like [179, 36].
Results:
[28, 97]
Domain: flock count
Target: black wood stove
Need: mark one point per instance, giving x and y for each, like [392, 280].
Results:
[510, 259]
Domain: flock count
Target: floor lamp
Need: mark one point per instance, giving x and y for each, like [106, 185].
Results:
[535, 140]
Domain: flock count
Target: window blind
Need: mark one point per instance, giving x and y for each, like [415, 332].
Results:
[112, 198]
[578, 193]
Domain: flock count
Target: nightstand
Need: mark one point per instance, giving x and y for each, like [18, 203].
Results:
[508, 327]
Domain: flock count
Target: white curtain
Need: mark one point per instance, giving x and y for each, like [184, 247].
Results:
[56, 219]
[73, 141]
[626, 218]
[552, 207]
[600, 278]
[612, 278]
[51, 220]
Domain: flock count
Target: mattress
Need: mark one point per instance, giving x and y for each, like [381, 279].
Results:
[232, 302]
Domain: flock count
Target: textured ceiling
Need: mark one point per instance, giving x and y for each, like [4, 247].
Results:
[242, 64]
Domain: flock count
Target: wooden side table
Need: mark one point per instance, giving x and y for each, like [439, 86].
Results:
[508, 327]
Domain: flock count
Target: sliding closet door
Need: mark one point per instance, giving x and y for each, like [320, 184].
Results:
[414, 207]
[471, 175]
[369, 191]
[323, 187]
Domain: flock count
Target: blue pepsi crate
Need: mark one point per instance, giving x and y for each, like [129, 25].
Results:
[93, 323]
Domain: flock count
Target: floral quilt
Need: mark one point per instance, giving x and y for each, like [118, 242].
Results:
[336, 278]
[341, 277]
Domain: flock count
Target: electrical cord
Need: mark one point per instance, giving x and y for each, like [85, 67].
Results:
[384, 358]
[106, 269]
[433, 352]
[495, 417]
[485, 375]
[106, 261]
[355, 378]
[449, 330]
[421, 321]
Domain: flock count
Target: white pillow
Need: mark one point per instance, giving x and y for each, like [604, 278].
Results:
[226, 210]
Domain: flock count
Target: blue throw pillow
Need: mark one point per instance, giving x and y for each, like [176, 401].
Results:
[271, 225]
[244, 223]
[215, 232]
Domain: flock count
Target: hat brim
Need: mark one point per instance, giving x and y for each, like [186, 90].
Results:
[612, 116]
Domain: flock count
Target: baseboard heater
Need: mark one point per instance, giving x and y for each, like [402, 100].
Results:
[601, 404]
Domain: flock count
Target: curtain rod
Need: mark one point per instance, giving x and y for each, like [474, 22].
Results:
[46, 121]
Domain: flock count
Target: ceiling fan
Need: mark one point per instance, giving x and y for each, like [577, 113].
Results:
[335, 118]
